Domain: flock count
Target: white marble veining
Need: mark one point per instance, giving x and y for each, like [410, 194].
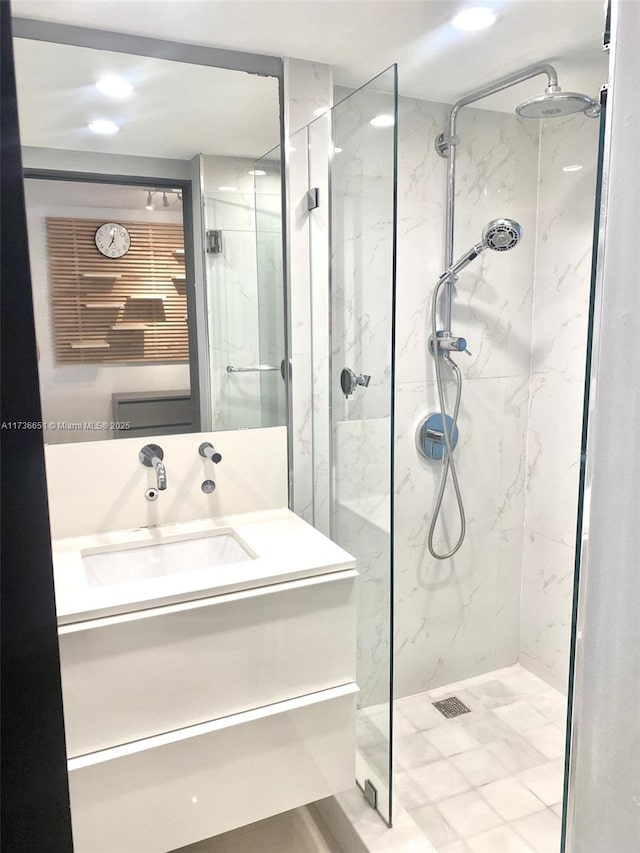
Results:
[461, 617]
[558, 353]
[547, 594]
[522, 397]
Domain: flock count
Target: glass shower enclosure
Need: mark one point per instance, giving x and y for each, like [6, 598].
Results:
[351, 162]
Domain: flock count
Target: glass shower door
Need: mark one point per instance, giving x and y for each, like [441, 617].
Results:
[271, 343]
[362, 187]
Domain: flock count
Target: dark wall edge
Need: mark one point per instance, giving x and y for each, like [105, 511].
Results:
[35, 812]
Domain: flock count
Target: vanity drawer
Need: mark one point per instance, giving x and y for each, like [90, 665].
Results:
[140, 674]
[179, 788]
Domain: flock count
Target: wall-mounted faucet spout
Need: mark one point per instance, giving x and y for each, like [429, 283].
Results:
[151, 456]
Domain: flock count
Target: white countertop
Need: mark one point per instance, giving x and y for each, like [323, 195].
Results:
[286, 548]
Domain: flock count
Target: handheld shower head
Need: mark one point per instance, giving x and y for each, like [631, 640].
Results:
[500, 235]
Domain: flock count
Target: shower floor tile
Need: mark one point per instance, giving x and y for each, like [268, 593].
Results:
[491, 779]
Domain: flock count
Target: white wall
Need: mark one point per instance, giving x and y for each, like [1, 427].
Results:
[82, 392]
[97, 488]
[605, 796]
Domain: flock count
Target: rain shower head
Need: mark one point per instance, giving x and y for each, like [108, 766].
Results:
[555, 103]
[500, 235]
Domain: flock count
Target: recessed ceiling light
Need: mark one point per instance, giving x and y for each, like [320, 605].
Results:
[575, 168]
[114, 86]
[383, 121]
[257, 172]
[336, 150]
[104, 126]
[228, 189]
[475, 18]
[321, 111]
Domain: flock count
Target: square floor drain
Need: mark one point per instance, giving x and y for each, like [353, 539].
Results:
[451, 707]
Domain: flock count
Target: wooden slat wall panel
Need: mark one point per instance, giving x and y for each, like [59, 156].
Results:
[114, 317]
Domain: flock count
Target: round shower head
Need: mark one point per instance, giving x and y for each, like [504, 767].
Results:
[555, 104]
[502, 234]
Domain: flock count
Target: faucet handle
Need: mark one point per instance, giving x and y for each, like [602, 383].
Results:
[150, 452]
[208, 451]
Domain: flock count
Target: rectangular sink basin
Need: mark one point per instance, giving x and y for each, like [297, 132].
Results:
[178, 556]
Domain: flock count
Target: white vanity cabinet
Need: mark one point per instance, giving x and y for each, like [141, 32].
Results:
[188, 719]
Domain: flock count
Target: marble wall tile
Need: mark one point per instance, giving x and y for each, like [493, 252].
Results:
[362, 253]
[553, 458]
[308, 86]
[559, 336]
[445, 614]
[508, 594]
[373, 658]
[467, 620]
[497, 177]
[547, 591]
[362, 526]
[491, 464]
[362, 458]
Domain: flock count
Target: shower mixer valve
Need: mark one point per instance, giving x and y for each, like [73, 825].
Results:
[449, 343]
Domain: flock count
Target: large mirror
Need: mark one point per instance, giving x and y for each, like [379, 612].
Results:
[153, 192]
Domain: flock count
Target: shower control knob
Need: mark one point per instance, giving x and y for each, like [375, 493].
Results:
[349, 381]
[450, 343]
[459, 344]
[208, 451]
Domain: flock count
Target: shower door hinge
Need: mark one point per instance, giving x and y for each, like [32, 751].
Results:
[606, 36]
[604, 91]
[213, 242]
[370, 793]
[313, 198]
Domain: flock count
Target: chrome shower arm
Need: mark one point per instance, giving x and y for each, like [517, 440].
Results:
[446, 147]
[499, 85]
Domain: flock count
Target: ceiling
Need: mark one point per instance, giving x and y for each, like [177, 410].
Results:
[361, 37]
[176, 110]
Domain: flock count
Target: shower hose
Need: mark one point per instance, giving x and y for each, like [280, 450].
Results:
[449, 463]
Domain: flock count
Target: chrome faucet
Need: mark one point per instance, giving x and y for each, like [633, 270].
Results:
[151, 456]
